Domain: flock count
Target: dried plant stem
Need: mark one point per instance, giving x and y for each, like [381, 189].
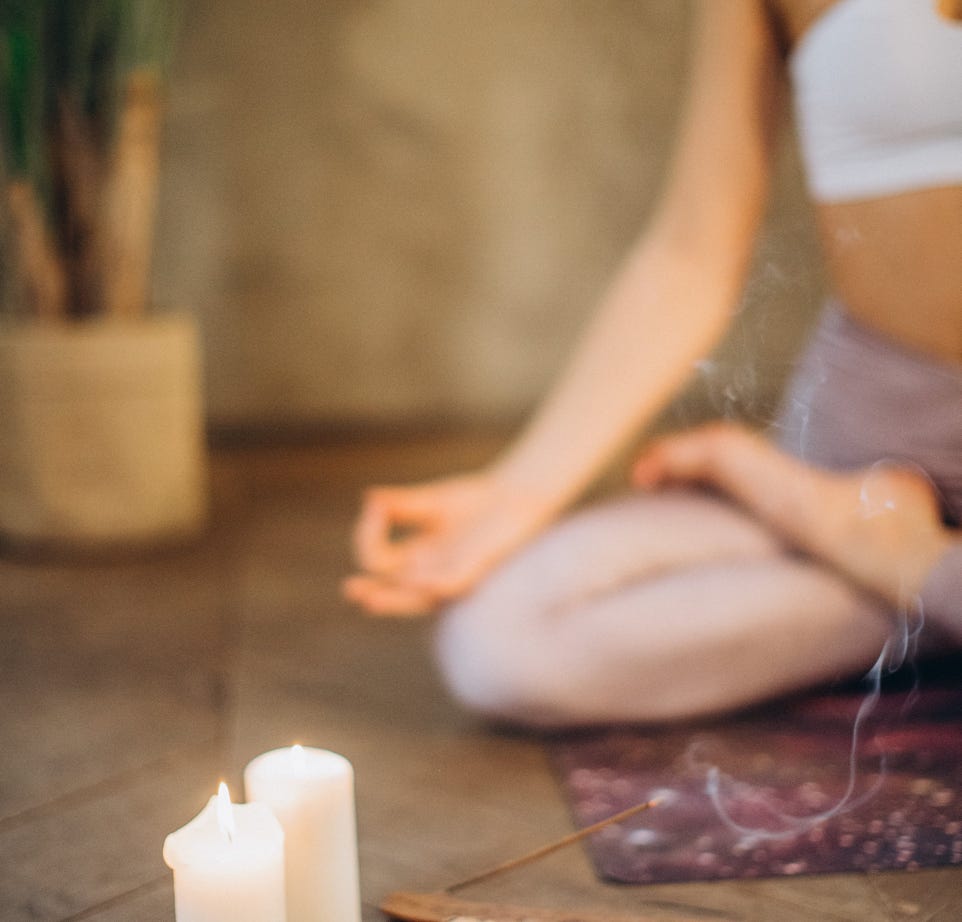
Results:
[42, 273]
[552, 846]
[80, 172]
[125, 234]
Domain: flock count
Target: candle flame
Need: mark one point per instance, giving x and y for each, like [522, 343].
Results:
[225, 812]
[297, 757]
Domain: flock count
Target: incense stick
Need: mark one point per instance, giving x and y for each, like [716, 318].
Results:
[552, 846]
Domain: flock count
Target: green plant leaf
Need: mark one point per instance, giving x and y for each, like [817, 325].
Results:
[22, 85]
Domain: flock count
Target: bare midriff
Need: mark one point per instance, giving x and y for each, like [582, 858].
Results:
[895, 262]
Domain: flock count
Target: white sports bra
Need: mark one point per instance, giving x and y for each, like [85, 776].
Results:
[878, 99]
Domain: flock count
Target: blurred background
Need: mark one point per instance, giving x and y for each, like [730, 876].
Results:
[390, 220]
[401, 211]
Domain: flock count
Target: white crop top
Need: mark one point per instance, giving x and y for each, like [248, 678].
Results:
[878, 99]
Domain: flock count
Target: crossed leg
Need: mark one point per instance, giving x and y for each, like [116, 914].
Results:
[650, 608]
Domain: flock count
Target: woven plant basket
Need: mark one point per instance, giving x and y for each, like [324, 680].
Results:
[101, 434]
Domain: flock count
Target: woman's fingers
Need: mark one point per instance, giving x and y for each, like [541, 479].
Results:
[431, 570]
[412, 576]
[383, 598]
[683, 457]
[371, 532]
[781, 490]
[648, 470]
[420, 546]
[384, 512]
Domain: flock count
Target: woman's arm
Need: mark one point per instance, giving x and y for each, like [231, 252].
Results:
[666, 308]
[881, 527]
[675, 294]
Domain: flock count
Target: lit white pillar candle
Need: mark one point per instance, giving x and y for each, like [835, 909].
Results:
[311, 791]
[228, 864]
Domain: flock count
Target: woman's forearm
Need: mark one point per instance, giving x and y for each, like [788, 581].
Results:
[665, 310]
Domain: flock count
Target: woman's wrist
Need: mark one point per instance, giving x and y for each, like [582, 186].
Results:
[521, 488]
[543, 487]
[940, 595]
[927, 557]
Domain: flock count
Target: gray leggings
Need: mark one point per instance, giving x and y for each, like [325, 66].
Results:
[857, 398]
[678, 604]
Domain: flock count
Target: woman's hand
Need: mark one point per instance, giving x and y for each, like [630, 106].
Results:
[423, 545]
[880, 526]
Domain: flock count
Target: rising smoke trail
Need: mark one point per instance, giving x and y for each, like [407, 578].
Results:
[898, 650]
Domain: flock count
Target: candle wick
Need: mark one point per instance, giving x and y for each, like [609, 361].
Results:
[225, 812]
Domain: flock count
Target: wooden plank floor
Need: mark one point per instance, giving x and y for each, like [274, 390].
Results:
[127, 689]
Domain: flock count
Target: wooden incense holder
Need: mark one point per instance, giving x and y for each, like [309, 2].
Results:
[442, 907]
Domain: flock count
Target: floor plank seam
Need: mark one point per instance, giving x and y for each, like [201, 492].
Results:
[140, 890]
[109, 785]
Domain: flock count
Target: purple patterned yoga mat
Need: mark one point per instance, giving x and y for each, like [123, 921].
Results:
[755, 795]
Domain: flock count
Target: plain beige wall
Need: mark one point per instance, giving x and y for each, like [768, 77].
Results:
[400, 210]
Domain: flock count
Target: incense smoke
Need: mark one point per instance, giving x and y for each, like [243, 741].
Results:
[892, 658]
[898, 651]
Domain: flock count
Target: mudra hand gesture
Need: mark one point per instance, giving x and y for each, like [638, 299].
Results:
[880, 526]
[420, 546]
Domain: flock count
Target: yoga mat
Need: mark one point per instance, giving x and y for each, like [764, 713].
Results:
[780, 790]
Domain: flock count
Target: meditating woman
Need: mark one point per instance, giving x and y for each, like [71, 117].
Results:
[744, 565]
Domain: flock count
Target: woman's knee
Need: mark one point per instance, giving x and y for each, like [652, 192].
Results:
[535, 683]
[495, 669]
[536, 674]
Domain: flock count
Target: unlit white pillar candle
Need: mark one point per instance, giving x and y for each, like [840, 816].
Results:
[311, 791]
[228, 864]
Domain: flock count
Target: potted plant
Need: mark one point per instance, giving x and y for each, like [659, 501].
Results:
[101, 435]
